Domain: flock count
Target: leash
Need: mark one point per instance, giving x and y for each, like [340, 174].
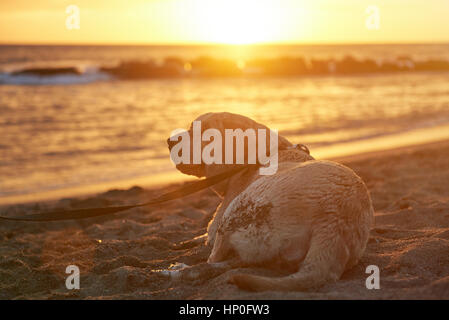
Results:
[96, 212]
[101, 211]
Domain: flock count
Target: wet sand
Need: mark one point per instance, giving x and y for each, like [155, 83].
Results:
[118, 255]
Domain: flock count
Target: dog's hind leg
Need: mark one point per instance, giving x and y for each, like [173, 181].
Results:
[214, 224]
[325, 262]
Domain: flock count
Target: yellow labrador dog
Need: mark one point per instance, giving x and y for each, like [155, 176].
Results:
[311, 218]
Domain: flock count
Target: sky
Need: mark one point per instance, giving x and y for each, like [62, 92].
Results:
[223, 21]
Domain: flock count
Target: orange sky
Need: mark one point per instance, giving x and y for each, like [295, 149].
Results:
[224, 21]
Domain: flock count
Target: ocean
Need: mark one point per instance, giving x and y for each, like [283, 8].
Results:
[75, 118]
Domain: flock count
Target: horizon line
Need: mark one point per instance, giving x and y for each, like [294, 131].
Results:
[223, 44]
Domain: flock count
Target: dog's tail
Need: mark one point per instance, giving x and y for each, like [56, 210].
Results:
[296, 282]
[324, 263]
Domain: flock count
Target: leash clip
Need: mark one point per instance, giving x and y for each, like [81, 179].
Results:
[301, 147]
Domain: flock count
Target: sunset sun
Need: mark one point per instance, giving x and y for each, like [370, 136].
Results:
[239, 22]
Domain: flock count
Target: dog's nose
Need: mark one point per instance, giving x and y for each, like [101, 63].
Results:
[170, 143]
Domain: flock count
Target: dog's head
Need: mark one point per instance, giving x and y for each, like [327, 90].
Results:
[220, 122]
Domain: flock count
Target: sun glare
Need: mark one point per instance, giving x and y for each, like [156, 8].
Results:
[239, 22]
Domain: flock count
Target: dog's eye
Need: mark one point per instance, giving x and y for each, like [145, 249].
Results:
[303, 148]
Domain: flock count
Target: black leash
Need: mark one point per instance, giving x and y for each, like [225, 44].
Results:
[179, 193]
[95, 212]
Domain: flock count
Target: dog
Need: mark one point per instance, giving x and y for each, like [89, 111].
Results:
[310, 219]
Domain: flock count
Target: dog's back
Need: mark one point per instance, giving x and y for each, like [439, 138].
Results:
[314, 216]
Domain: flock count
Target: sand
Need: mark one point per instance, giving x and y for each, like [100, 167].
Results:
[119, 255]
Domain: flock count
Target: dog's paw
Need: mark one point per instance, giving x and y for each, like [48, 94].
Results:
[174, 271]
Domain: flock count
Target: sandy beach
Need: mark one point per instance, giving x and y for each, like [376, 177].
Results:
[119, 255]
[121, 105]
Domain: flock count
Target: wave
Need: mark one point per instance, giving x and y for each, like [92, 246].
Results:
[206, 67]
[47, 71]
[287, 66]
[52, 76]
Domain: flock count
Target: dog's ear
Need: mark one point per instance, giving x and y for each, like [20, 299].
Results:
[236, 121]
[227, 120]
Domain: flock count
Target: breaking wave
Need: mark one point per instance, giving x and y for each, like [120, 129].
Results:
[206, 67]
[52, 76]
